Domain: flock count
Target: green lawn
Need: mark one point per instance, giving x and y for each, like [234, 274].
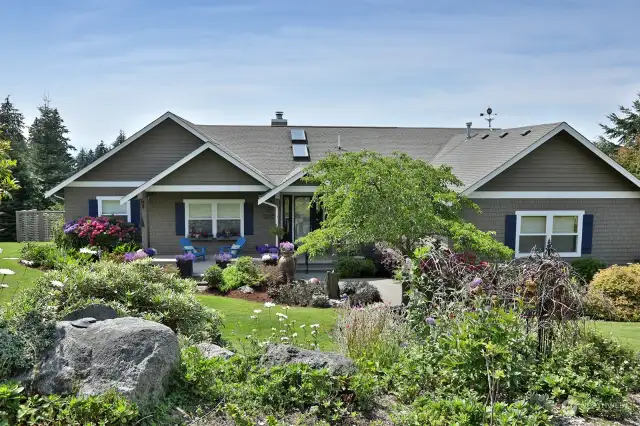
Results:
[238, 324]
[626, 332]
[23, 276]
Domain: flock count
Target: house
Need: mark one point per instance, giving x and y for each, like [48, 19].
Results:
[217, 182]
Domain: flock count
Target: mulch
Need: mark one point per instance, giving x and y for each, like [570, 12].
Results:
[260, 294]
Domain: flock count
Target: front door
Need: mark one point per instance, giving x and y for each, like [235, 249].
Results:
[297, 218]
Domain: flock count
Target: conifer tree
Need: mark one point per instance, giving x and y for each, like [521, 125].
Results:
[119, 139]
[101, 150]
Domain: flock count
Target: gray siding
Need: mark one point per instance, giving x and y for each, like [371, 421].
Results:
[76, 200]
[560, 164]
[162, 222]
[208, 168]
[161, 147]
[615, 230]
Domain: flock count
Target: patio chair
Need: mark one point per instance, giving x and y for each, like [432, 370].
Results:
[188, 247]
[233, 250]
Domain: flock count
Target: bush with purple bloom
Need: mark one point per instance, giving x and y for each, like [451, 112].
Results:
[476, 282]
[287, 246]
[431, 321]
[135, 255]
[187, 257]
[151, 251]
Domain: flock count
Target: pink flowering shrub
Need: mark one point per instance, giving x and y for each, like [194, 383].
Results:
[104, 232]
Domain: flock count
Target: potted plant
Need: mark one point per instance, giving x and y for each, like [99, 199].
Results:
[286, 263]
[223, 259]
[277, 231]
[185, 264]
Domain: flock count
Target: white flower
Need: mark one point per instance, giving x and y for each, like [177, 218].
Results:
[294, 335]
[315, 325]
[283, 331]
[273, 329]
[87, 250]
[266, 257]
[257, 311]
[4, 286]
[303, 325]
[6, 272]
[56, 283]
[0, 251]
[281, 315]
[314, 332]
[269, 304]
[26, 262]
[286, 308]
[253, 317]
[280, 319]
[248, 336]
[284, 339]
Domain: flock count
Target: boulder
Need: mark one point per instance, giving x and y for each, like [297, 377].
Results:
[209, 350]
[133, 356]
[97, 311]
[246, 289]
[338, 365]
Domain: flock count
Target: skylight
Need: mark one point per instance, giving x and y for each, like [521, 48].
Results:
[503, 135]
[298, 135]
[300, 151]
[526, 132]
[485, 136]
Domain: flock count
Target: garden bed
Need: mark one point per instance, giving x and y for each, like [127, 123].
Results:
[259, 294]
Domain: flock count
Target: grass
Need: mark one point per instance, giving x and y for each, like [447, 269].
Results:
[626, 332]
[238, 324]
[23, 277]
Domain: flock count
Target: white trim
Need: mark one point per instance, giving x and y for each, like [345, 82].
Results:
[214, 213]
[102, 198]
[220, 150]
[185, 160]
[300, 189]
[549, 229]
[284, 184]
[207, 188]
[275, 206]
[106, 184]
[553, 194]
[563, 126]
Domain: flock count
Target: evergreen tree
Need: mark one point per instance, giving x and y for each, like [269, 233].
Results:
[625, 128]
[120, 139]
[12, 121]
[82, 159]
[51, 149]
[101, 150]
[91, 156]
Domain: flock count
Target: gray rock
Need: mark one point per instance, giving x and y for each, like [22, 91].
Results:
[209, 350]
[246, 289]
[337, 364]
[97, 311]
[320, 301]
[131, 355]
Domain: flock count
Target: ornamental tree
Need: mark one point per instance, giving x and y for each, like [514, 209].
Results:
[367, 198]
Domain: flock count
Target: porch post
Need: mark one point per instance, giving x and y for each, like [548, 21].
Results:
[144, 217]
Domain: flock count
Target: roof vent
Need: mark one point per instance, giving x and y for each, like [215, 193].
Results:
[502, 135]
[469, 129]
[279, 121]
[485, 136]
[526, 132]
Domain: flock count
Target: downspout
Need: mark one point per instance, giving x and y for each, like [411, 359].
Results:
[275, 206]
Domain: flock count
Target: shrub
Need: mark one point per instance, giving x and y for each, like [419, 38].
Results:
[271, 276]
[129, 247]
[246, 266]
[213, 276]
[355, 267]
[360, 293]
[45, 256]
[390, 259]
[133, 289]
[106, 409]
[233, 278]
[587, 268]
[614, 293]
[104, 232]
[299, 293]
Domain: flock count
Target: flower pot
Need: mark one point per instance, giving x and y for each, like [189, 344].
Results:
[222, 265]
[186, 268]
[287, 265]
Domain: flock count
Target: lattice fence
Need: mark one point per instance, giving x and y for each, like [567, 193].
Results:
[34, 225]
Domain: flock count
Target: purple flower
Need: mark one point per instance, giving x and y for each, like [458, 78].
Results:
[476, 282]
[431, 321]
[287, 246]
[128, 257]
[223, 258]
[150, 251]
[186, 257]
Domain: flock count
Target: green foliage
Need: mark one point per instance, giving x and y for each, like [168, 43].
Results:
[614, 293]
[360, 293]
[368, 197]
[42, 255]
[123, 248]
[625, 128]
[213, 276]
[586, 268]
[355, 267]
[593, 376]
[107, 409]
[299, 293]
[246, 266]
[137, 289]
[233, 278]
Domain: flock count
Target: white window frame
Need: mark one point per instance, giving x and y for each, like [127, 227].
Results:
[214, 213]
[112, 198]
[549, 229]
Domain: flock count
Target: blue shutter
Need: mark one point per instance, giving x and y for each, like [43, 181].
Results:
[180, 219]
[510, 231]
[248, 219]
[587, 233]
[93, 208]
[135, 212]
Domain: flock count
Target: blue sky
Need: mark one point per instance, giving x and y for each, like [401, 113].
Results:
[122, 63]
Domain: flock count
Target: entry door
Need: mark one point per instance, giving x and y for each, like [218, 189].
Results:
[305, 218]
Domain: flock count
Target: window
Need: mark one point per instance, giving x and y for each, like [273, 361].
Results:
[110, 206]
[300, 151]
[537, 228]
[208, 219]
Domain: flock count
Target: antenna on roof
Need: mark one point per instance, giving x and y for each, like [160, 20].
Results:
[339, 144]
[488, 117]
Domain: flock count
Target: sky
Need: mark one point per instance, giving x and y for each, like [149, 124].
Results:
[119, 64]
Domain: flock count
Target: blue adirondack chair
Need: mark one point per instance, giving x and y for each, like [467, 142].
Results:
[188, 247]
[234, 249]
